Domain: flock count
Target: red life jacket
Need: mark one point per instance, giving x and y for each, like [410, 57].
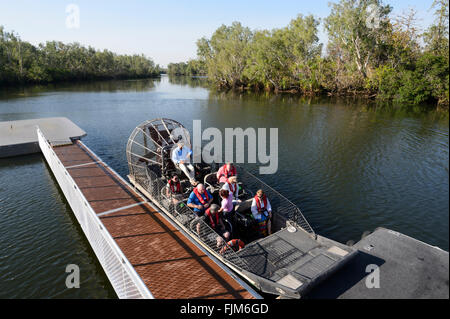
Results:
[258, 203]
[172, 186]
[235, 244]
[211, 220]
[227, 173]
[200, 198]
[231, 188]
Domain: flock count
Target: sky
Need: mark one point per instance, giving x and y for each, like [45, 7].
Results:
[165, 31]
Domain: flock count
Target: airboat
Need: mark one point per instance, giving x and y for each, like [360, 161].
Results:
[287, 263]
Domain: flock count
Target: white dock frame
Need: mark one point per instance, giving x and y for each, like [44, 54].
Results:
[122, 275]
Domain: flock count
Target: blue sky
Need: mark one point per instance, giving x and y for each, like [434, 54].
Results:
[163, 30]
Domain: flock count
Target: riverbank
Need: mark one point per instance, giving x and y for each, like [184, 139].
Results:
[22, 62]
[389, 61]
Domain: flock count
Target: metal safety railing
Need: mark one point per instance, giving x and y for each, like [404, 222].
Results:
[281, 206]
[196, 227]
[122, 275]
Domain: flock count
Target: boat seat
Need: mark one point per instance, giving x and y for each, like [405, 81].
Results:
[243, 206]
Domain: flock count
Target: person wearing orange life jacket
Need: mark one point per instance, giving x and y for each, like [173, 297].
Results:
[234, 244]
[262, 212]
[199, 199]
[232, 186]
[214, 220]
[225, 172]
[174, 189]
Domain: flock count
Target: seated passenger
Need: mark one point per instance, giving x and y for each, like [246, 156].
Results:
[232, 186]
[225, 172]
[215, 221]
[174, 189]
[180, 157]
[234, 244]
[199, 200]
[227, 207]
[262, 212]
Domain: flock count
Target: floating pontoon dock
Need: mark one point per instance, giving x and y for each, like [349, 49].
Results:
[142, 253]
[19, 137]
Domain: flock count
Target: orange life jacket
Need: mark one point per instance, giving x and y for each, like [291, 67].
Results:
[200, 197]
[227, 173]
[235, 244]
[231, 187]
[211, 220]
[172, 185]
[258, 203]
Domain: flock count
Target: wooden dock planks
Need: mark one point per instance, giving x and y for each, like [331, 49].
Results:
[169, 263]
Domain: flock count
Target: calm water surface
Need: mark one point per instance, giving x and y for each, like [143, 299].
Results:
[350, 167]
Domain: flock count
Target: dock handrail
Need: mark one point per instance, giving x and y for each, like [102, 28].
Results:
[122, 275]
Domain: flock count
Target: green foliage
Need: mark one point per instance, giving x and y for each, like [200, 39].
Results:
[368, 52]
[191, 68]
[428, 81]
[286, 59]
[22, 62]
[226, 53]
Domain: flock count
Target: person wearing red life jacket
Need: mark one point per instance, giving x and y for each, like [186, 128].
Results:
[225, 172]
[262, 212]
[234, 244]
[214, 219]
[200, 199]
[232, 186]
[174, 189]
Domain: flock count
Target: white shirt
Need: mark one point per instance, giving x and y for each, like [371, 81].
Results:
[255, 208]
[178, 156]
[236, 192]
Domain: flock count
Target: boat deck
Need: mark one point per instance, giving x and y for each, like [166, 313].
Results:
[169, 264]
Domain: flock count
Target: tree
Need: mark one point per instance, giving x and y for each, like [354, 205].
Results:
[436, 37]
[356, 30]
[226, 53]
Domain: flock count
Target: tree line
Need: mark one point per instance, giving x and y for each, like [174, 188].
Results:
[193, 67]
[22, 62]
[367, 54]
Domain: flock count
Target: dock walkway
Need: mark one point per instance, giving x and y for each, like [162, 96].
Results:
[169, 264]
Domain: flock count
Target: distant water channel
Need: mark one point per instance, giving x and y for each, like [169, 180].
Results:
[349, 166]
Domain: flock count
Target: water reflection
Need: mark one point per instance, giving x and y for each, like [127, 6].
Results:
[142, 85]
[191, 81]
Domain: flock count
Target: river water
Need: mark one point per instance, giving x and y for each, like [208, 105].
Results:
[349, 166]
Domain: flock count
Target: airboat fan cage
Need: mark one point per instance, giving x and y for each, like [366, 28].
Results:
[153, 140]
